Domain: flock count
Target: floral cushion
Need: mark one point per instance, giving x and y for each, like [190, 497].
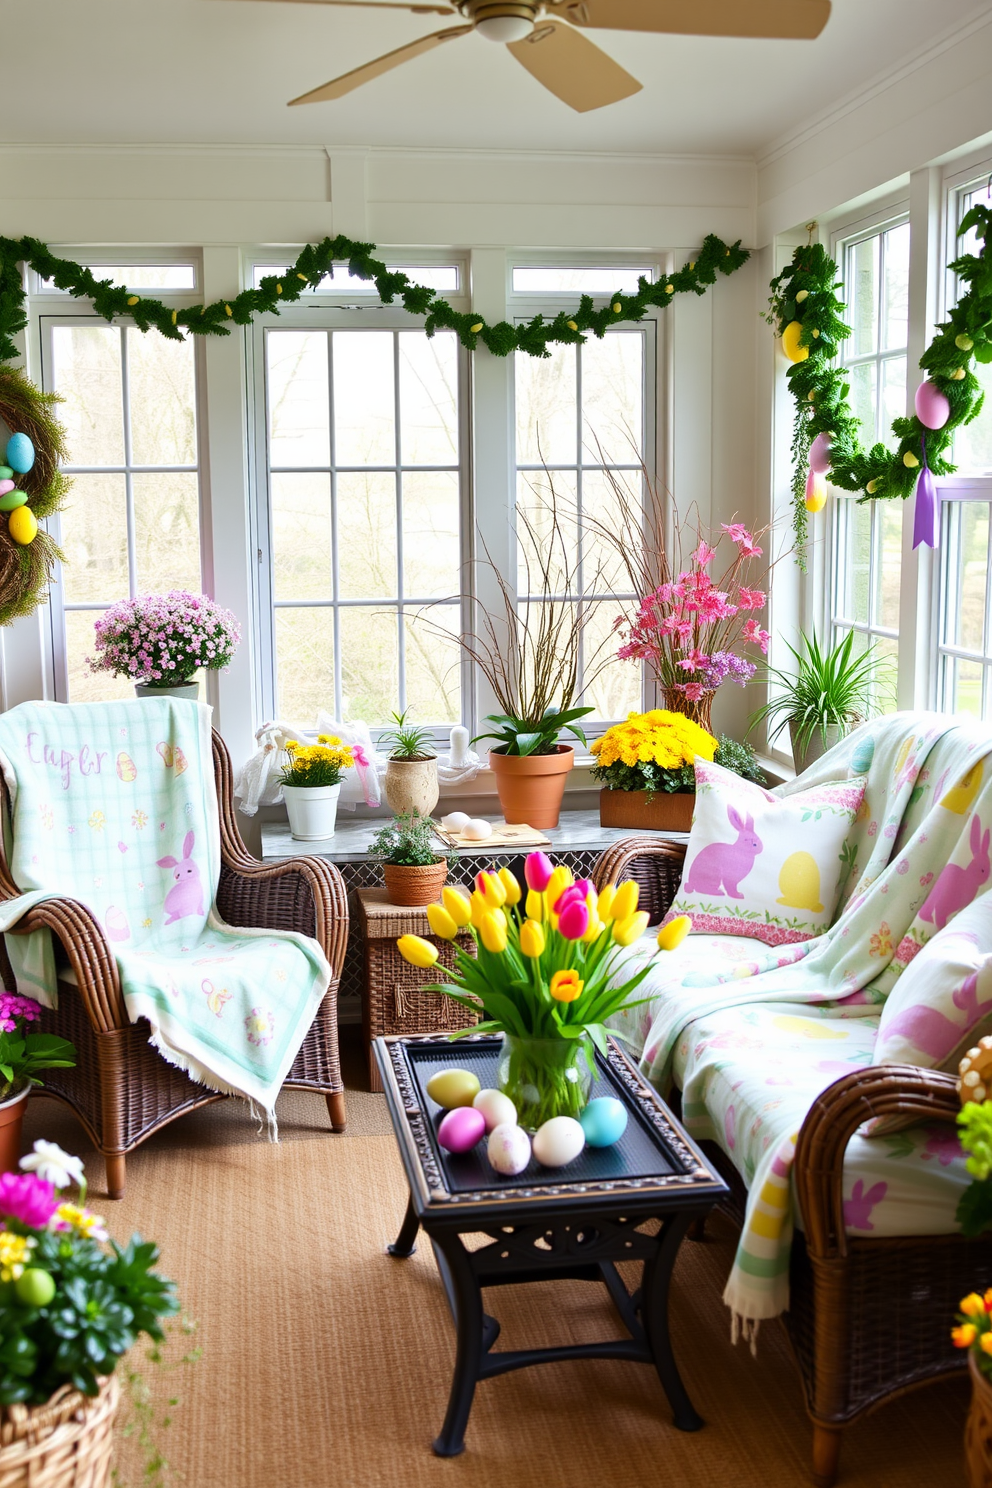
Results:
[761, 865]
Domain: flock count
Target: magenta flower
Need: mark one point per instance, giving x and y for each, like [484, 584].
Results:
[27, 1199]
[753, 633]
[571, 894]
[739, 534]
[537, 871]
[573, 922]
[703, 554]
[693, 691]
[14, 1007]
[751, 599]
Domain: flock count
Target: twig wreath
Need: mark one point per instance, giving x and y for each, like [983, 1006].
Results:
[808, 315]
[26, 567]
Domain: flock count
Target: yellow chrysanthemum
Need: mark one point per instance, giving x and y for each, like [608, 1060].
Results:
[15, 1252]
[659, 737]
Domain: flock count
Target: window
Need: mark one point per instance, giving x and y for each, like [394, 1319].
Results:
[866, 549]
[365, 480]
[601, 280]
[444, 278]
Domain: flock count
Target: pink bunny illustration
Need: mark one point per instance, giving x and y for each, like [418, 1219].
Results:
[719, 867]
[927, 1029]
[185, 898]
[956, 887]
[857, 1209]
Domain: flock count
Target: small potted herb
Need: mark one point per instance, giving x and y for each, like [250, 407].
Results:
[829, 694]
[22, 1054]
[311, 784]
[412, 867]
[411, 770]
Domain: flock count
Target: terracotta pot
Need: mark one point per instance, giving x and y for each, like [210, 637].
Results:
[665, 811]
[411, 785]
[407, 885]
[531, 786]
[11, 1117]
[978, 1429]
[677, 702]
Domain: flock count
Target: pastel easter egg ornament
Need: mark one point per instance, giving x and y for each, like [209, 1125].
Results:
[790, 342]
[497, 1109]
[558, 1141]
[932, 407]
[508, 1150]
[819, 453]
[799, 883]
[453, 1087]
[461, 1129]
[816, 492]
[6, 473]
[23, 526]
[11, 498]
[20, 453]
[603, 1121]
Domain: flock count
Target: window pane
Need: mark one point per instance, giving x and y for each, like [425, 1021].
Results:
[546, 393]
[304, 663]
[606, 510]
[863, 384]
[966, 687]
[615, 688]
[162, 396]
[853, 559]
[369, 665]
[367, 536]
[94, 536]
[893, 394]
[164, 277]
[87, 372]
[86, 686]
[862, 293]
[364, 413]
[968, 553]
[612, 398]
[431, 534]
[441, 277]
[299, 412]
[895, 301]
[167, 532]
[888, 568]
[973, 442]
[542, 552]
[593, 281]
[302, 561]
[433, 667]
[429, 398]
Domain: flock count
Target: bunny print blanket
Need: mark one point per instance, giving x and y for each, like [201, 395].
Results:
[916, 855]
[115, 805]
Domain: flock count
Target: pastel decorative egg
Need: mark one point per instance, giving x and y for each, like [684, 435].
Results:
[454, 821]
[932, 408]
[604, 1121]
[126, 768]
[116, 925]
[477, 830]
[862, 755]
[451, 1088]
[11, 499]
[460, 1130]
[23, 525]
[5, 486]
[508, 1149]
[790, 342]
[6, 473]
[819, 454]
[497, 1108]
[558, 1141]
[20, 453]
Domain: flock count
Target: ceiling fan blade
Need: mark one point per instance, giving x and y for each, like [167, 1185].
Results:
[573, 68]
[445, 10]
[792, 19]
[350, 80]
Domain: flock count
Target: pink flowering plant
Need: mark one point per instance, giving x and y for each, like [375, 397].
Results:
[23, 1050]
[162, 640]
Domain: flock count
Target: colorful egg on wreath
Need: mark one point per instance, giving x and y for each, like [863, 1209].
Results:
[816, 492]
[932, 407]
[790, 342]
[20, 453]
[11, 499]
[819, 453]
[6, 473]
[23, 526]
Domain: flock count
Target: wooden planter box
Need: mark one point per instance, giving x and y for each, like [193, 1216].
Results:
[664, 812]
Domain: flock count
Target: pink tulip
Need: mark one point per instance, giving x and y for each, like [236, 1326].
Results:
[537, 871]
[585, 887]
[573, 922]
[567, 896]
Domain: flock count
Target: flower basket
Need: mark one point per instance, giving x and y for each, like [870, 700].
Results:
[660, 811]
[65, 1443]
[977, 1431]
[409, 884]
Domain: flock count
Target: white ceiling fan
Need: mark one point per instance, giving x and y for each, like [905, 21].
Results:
[542, 36]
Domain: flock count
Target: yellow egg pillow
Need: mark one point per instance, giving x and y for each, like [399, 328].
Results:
[763, 866]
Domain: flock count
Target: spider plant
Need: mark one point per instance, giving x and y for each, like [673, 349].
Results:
[831, 689]
[406, 741]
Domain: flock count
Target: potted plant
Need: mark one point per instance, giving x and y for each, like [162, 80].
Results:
[547, 975]
[160, 641]
[646, 766]
[411, 770]
[72, 1302]
[412, 867]
[311, 784]
[974, 1216]
[22, 1054]
[829, 694]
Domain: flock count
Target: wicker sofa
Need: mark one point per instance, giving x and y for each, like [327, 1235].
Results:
[121, 1088]
[868, 1318]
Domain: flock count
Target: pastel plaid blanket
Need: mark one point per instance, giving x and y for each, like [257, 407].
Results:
[115, 805]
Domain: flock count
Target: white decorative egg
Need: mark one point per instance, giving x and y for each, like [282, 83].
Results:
[508, 1149]
[477, 830]
[497, 1108]
[454, 821]
[558, 1141]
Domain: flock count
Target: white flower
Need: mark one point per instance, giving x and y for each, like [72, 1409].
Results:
[54, 1166]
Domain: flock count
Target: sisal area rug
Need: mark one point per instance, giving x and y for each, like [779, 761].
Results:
[326, 1363]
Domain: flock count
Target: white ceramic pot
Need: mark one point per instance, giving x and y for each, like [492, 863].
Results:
[186, 690]
[816, 746]
[313, 810]
[411, 785]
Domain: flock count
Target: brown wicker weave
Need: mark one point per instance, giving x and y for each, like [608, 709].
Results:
[867, 1319]
[394, 1000]
[65, 1443]
[978, 1430]
[120, 1088]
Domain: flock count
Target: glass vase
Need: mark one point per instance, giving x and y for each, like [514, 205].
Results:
[546, 1077]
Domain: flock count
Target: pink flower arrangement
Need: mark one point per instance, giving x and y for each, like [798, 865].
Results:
[13, 1007]
[691, 628]
[27, 1199]
[162, 640]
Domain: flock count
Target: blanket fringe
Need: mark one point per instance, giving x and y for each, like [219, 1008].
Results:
[201, 1076]
[746, 1328]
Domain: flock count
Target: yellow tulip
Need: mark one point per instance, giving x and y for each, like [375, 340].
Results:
[972, 1305]
[625, 932]
[493, 932]
[457, 906]
[965, 1336]
[532, 939]
[674, 933]
[985, 1342]
[441, 922]
[604, 903]
[625, 900]
[561, 878]
[566, 986]
[534, 905]
[479, 908]
[510, 886]
[491, 889]
[596, 928]
[417, 951]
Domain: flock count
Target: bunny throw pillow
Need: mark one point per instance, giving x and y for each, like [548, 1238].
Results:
[757, 865]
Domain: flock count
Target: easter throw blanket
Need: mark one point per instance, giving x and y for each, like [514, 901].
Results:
[115, 805]
[917, 854]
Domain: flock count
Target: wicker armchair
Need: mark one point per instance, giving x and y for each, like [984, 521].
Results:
[121, 1088]
[867, 1319]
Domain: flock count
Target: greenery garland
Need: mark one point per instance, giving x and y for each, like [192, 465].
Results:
[314, 264]
[806, 292]
[26, 570]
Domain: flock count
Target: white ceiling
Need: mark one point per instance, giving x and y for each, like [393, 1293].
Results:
[221, 71]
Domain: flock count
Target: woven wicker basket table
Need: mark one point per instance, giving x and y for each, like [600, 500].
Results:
[547, 1224]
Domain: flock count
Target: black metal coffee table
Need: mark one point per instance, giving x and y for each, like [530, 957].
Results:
[575, 1222]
